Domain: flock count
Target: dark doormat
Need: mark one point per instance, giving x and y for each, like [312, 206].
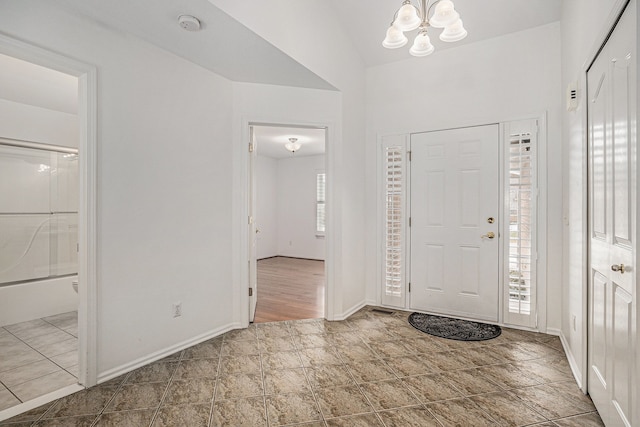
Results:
[453, 329]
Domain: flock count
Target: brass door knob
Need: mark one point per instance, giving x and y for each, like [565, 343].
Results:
[616, 267]
[489, 235]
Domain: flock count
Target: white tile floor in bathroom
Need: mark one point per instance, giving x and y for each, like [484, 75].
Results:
[37, 357]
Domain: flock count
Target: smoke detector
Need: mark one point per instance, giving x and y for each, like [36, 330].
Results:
[189, 23]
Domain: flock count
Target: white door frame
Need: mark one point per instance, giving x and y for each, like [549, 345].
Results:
[87, 211]
[615, 14]
[542, 207]
[243, 231]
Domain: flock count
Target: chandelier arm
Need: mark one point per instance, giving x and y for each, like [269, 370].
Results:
[431, 6]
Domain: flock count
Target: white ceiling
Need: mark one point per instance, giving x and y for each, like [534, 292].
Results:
[367, 22]
[31, 84]
[270, 141]
[226, 47]
[223, 45]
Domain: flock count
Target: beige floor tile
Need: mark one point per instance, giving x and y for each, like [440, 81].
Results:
[239, 386]
[82, 421]
[43, 385]
[239, 413]
[67, 359]
[587, 420]
[281, 360]
[345, 339]
[31, 329]
[342, 401]
[555, 401]
[329, 376]
[286, 381]
[460, 412]
[320, 356]
[197, 368]
[364, 420]
[416, 364]
[240, 348]
[248, 334]
[63, 320]
[431, 388]
[85, 402]
[312, 341]
[388, 394]
[28, 372]
[18, 354]
[470, 381]
[59, 347]
[29, 416]
[240, 364]
[371, 370]
[137, 396]
[509, 376]
[391, 349]
[152, 373]
[285, 409]
[190, 392]
[416, 416]
[507, 409]
[207, 350]
[184, 415]
[276, 344]
[125, 419]
[7, 399]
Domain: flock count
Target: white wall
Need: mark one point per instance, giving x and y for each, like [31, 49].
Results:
[336, 60]
[286, 106]
[286, 207]
[163, 206]
[512, 77]
[267, 206]
[583, 24]
[30, 123]
[297, 207]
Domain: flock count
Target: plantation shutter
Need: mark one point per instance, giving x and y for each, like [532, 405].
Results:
[521, 190]
[321, 185]
[394, 179]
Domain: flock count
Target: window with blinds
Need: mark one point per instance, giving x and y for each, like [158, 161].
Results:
[394, 220]
[521, 223]
[321, 186]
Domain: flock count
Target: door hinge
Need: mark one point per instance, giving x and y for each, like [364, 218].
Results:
[409, 221]
[409, 286]
[409, 153]
[251, 147]
[250, 220]
[250, 292]
[77, 247]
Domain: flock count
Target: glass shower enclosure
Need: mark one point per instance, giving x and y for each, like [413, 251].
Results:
[38, 211]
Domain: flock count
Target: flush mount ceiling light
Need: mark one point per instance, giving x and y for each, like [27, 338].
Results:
[293, 145]
[409, 17]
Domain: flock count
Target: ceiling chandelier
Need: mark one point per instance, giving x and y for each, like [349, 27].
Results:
[409, 17]
[293, 145]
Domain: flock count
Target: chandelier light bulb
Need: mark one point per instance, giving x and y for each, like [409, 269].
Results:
[408, 18]
[422, 45]
[444, 15]
[395, 38]
[454, 32]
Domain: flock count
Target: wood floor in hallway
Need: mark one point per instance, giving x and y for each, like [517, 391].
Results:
[290, 289]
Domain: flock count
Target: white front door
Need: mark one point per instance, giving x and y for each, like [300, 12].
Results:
[611, 95]
[454, 222]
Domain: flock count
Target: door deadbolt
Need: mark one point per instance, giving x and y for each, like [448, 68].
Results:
[490, 220]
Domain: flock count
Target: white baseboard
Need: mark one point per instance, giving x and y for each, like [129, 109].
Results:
[145, 360]
[39, 401]
[353, 309]
[575, 369]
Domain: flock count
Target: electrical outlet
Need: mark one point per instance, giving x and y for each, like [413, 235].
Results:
[177, 309]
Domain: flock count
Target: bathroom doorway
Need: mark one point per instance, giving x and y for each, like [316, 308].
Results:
[290, 178]
[47, 220]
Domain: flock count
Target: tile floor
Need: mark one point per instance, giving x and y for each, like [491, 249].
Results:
[370, 370]
[37, 357]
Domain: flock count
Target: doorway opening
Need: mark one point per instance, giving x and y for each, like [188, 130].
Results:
[287, 238]
[49, 149]
[39, 161]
